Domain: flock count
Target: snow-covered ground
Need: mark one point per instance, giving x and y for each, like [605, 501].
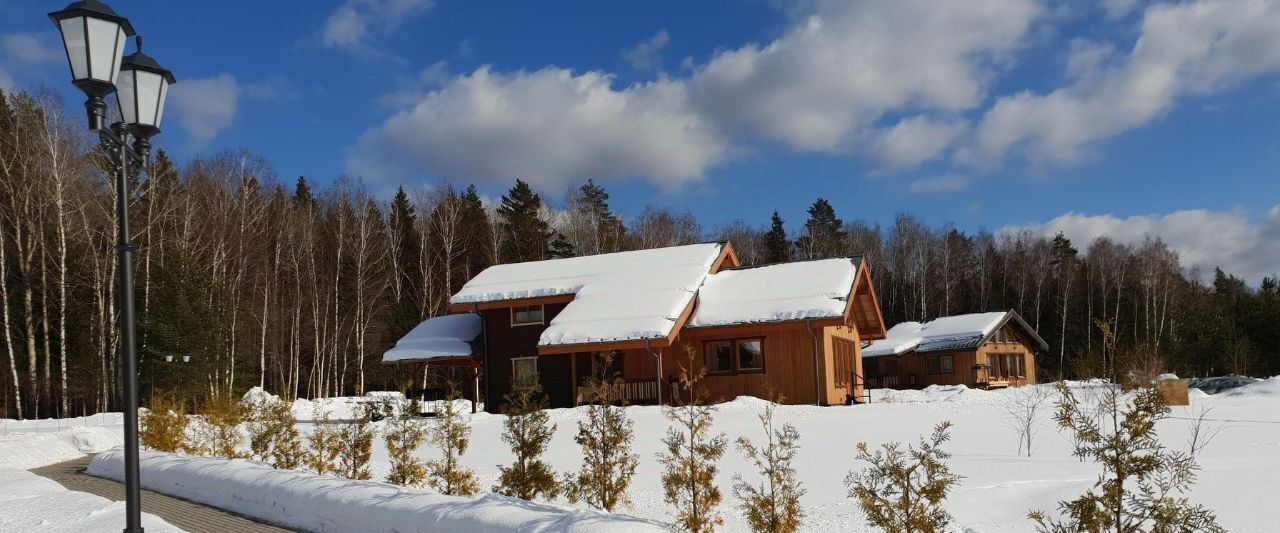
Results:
[31, 503]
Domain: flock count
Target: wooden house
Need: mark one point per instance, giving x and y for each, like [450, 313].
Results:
[987, 350]
[796, 328]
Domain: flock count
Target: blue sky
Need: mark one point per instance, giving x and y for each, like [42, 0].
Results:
[1121, 116]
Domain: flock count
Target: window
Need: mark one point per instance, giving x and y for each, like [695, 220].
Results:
[526, 315]
[739, 355]
[948, 364]
[719, 356]
[524, 371]
[931, 365]
[1008, 366]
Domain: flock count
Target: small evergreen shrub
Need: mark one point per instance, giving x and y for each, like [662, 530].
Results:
[689, 463]
[273, 434]
[322, 457]
[355, 448]
[605, 437]
[218, 434]
[452, 434]
[404, 434]
[164, 425]
[903, 489]
[528, 430]
[774, 505]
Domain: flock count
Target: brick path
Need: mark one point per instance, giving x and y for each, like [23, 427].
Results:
[190, 516]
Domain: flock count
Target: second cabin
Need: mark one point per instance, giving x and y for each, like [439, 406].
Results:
[982, 350]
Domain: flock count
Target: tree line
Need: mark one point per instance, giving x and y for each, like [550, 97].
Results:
[246, 279]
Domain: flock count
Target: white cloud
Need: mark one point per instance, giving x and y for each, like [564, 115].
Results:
[550, 126]
[351, 26]
[842, 68]
[1187, 48]
[1227, 239]
[914, 140]
[646, 56]
[948, 183]
[205, 106]
[31, 49]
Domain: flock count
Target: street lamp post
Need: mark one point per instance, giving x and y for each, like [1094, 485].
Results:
[94, 37]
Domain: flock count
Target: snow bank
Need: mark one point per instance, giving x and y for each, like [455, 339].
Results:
[31, 450]
[31, 503]
[437, 338]
[323, 503]
[787, 291]
[1266, 387]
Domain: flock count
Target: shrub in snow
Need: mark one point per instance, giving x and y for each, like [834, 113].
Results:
[605, 437]
[164, 424]
[218, 434]
[1200, 434]
[689, 464]
[903, 489]
[528, 430]
[1025, 408]
[452, 434]
[1143, 485]
[273, 433]
[404, 434]
[774, 505]
[322, 458]
[355, 448]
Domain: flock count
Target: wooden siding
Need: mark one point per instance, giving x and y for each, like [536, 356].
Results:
[504, 342]
[912, 368]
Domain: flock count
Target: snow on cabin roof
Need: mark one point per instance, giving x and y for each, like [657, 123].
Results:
[440, 337]
[946, 333]
[617, 297]
[773, 293]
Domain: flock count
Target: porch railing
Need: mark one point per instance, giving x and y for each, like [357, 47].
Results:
[883, 382]
[631, 391]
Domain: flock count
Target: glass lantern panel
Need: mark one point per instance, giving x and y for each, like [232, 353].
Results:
[120, 37]
[104, 52]
[126, 94]
[73, 38]
[148, 86]
[164, 93]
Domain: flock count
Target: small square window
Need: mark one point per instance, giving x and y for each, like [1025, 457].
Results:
[947, 363]
[931, 365]
[719, 356]
[526, 315]
[751, 355]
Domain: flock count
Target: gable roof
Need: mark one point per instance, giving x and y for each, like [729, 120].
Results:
[801, 290]
[956, 332]
[625, 296]
[441, 337]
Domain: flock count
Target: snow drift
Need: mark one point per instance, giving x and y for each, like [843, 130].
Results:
[324, 503]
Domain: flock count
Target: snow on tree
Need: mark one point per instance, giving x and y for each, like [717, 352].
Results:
[452, 434]
[1143, 485]
[902, 490]
[605, 437]
[689, 463]
[164, 425]
[528, 430]
[773, 506]
[404, 434]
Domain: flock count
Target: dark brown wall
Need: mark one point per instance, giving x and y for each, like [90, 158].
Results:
[504, 342]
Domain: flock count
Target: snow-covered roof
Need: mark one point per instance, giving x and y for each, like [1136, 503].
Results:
[773, 293]
[946, 333]
[621, 296]
[440, 337]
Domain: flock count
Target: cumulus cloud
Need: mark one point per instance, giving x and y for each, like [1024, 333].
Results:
[646, 56]
[1231, 240]
[947, 183]
[550, 126]
[354, 22]
[1186, 48]
[31, 49]
[914, 140]
[204, 106]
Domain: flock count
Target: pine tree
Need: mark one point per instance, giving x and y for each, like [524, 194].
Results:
[355, 448]
[823, 232]
[774, 505]
[605, 437]
[903, 490]
[594, 227]
[559, 247]
[527, 429]
[1143, 485]
[405, 433]
[164, 424]
[322, 458]
[452, 434]
[302, 196]
[689, 464]
[273, 434]
[526, 236]
[777, 248]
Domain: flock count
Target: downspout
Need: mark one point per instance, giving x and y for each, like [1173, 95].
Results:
[817, 372]
[657, 358]
[484, 345]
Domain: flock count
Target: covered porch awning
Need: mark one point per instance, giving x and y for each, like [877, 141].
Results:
[441, 340]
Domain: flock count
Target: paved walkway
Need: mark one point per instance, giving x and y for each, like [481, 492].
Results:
[190, 516]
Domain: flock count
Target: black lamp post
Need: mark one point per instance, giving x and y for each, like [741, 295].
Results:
[94, 37]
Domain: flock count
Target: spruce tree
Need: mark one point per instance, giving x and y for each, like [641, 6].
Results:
[402, 221]
[605, 437]
[479, 234]
[1143, 485]
[404, 434]
[273, 434]
[689, 464]
[902, 490]
[526, 237]
[823, 232]
[528, 430]
[452, 434]
[302, 196]
[355, 448]
[322, 458]
[774, 505]
[777, 248]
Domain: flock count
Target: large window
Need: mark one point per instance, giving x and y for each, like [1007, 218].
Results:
[524, 371]
[1007, 366]
[526, 315]
[738, 355]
